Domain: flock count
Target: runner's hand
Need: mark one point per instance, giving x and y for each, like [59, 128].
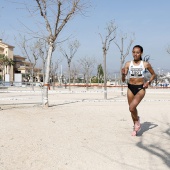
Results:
[146, 85]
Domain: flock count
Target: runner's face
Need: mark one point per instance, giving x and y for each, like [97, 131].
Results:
[136, 53]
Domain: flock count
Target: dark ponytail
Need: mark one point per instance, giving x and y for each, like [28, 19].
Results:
[141, 49]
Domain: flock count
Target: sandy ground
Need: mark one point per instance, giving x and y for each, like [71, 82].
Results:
[82, 131]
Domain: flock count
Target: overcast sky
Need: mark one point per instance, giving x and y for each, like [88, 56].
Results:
[147, 19]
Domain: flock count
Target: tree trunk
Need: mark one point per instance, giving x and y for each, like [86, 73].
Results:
[105, 83]
[121, 83]
[121, 65]
[87, 80]
[69, 77]
[32, 78]
[43, 72]
[46, 82]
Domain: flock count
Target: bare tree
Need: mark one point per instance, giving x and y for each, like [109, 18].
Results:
[61, 11]
[73, 47]
[31, 52]
[53, 72]
[110, 36]
[74, 72]
[3, 36]
[87, 68]
[42, 51]
[123, 54]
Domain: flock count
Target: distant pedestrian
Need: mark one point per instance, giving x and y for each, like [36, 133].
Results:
[136, 83]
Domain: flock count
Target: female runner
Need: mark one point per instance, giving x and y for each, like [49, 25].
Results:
[136, 84]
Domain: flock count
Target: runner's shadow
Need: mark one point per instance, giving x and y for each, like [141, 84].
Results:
[145, 127]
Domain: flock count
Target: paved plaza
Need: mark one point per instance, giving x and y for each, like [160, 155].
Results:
[82, 131]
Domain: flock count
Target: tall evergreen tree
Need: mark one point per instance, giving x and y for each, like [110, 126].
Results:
[100, 73]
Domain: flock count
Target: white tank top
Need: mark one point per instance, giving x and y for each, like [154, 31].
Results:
[136, 71]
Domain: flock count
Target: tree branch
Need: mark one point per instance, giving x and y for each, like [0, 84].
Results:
[43, 13]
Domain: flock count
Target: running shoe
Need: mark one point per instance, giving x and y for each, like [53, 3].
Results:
[137, 127]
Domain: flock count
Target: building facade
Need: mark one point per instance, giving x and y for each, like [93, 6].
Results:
[6, 50]
[20, 65]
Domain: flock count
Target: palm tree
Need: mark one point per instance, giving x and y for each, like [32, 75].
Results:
[4, 63]
[10, 63]
[3, 60]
